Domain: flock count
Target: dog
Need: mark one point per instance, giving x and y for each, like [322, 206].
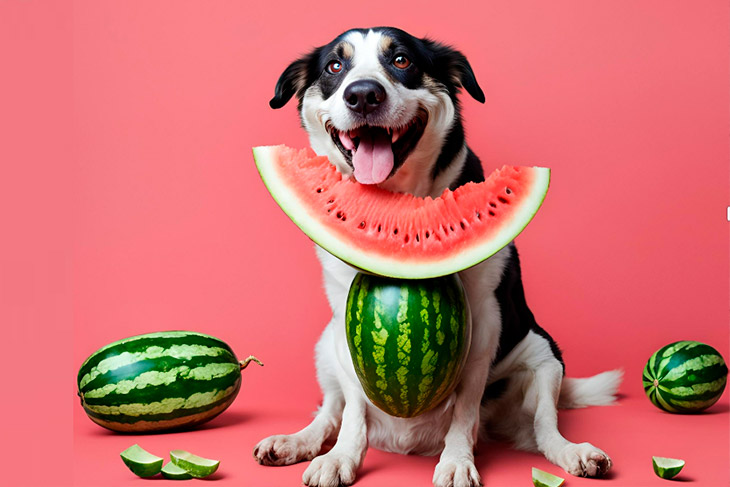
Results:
[382, 105]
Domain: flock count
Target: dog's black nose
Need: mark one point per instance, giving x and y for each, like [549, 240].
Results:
[364, 96]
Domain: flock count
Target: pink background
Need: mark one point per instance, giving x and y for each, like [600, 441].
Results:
[130, 204]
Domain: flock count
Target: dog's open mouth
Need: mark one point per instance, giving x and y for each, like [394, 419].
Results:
[375, 153]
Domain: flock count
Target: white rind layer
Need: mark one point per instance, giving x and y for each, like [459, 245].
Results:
[396, 266]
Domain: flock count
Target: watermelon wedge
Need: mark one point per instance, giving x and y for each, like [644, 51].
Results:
[395, 234]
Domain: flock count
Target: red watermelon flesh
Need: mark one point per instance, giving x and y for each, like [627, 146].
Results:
[397, 234]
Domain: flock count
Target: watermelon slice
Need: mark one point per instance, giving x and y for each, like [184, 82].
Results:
[396, 234]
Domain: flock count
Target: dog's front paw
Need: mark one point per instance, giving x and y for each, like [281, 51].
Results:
[284, 450]
[584, 460]
[330, 470]
[456, 473]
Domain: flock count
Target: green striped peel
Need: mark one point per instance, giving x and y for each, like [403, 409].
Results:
[408, 340]
[685, 377]
[159, 381]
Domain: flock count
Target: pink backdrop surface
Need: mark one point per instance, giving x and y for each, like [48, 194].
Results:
[131, 204]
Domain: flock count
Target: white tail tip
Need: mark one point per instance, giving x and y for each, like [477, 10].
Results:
[599, 390]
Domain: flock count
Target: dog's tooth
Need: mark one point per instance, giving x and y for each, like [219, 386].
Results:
[396, 136]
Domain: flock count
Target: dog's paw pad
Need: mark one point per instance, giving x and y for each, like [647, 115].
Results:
[330, 470]
[456, 473]
[282, 450]
[584, 460]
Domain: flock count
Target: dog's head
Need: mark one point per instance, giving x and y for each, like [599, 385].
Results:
[378, 100]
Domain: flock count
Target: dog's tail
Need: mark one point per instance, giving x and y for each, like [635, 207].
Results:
[599, 390]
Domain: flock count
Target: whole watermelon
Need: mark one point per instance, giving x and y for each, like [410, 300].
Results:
[685, 377]
[159, 381]
[408, 340]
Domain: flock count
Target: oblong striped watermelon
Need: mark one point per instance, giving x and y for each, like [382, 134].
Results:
[395, 234]
[685, 377]
[408, 340]
[159, 381]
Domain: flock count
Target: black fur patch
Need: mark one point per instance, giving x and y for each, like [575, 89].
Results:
[328, 82]
[495, 390]
[453, 143]
[517, 319]
[402, 44]
[295, 79]
[310, 69]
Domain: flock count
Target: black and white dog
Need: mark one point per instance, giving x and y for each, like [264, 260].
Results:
[382, 105]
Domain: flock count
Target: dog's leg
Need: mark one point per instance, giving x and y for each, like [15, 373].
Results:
[581, 459]
[456, 465]
[307, 443]
[304, 444]
[339, 465]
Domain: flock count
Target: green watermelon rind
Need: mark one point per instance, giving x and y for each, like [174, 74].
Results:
[299, 212]
[141, 462]
[159, 381]
[173, 472]
[157, 334]
[407, 352]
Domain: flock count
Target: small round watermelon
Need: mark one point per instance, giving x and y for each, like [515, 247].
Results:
[685, 377]
[408, 340]
[159, 381]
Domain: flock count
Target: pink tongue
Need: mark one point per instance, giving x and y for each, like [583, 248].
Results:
[373, 159]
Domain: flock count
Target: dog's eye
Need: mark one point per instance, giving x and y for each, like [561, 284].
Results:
[401, 62]
[334, 67]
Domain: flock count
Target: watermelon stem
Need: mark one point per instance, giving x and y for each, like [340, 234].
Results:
[244, 363]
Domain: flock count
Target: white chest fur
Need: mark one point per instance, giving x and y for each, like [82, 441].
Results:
[425, 433]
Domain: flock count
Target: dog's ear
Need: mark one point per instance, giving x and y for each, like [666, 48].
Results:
[293, 80]
[462, 68]
[454, 64]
